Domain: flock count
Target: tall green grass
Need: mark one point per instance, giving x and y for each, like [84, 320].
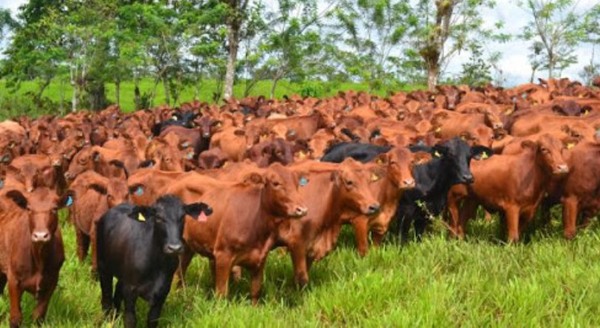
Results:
[548, 282]
[18, 102]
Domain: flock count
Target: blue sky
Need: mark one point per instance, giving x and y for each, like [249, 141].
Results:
[514, 62]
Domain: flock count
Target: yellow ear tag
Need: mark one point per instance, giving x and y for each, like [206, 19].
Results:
[439, 129]
[302, 155]
[570, 145]
[374, 177]
[436, 154]
[586, 112]
[379, 161]
[141, 217]
[484, 155]
[225, 165]
[508, 111]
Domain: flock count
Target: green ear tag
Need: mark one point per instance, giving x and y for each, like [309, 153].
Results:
[141, 217]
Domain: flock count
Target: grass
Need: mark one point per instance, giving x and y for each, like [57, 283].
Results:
[21, 99]
[440, 282]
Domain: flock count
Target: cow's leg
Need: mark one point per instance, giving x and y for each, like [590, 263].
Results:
[405, 223]
[453, 210]
[83, 243]
[2, 282]
[570, 208]
[361, 234]
[298, 254]
[512, 223]
[92, 239]
[106, 281]
[184, 263]
[420, 223]
[466, 213]
[256, 282]
[15, 292]
[236, 273]
[156, 303]
[377, 237]
[130, 297]
[118, 296]
[223, 264]
[43, 300]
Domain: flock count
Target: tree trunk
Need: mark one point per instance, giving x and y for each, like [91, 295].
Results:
[74, 99]
[137, 98]
[273, 87]
[167, 94]
[233, 39]
[432, 77]
[118, 92]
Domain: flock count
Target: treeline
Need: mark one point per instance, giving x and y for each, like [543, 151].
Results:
[177, 44]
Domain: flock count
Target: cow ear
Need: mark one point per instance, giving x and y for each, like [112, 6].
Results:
[382, 159]
[196, 210]
[18, 198]
[142, 213]
[48, 174]
[96, 156]
[98, 188]
[254, 178]
[421, 158]
[147, 164]
[137, 189]
[481, 152]
[67, 199]
[528, 144]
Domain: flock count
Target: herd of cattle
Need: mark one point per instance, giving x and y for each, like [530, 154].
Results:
[148, 190]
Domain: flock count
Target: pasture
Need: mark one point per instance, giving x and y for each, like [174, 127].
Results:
[440, 282]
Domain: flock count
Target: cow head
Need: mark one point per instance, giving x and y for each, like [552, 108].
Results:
[280, 196]
[399, 162]
[167, 219]
[550, 151]
[41, 208]
[163, 156]
[352, 183]
[457, 154]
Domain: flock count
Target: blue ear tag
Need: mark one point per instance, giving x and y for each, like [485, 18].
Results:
[303, 181]
[1, 184]
[139, 191]
[69, 201]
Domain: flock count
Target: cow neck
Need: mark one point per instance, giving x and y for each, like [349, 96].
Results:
[40, 253]
[543, 175]
[440, 180]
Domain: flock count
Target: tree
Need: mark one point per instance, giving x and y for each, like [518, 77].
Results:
[237, 12]
[477, 71]
[370, 34]
[555, 30]
[441, 28]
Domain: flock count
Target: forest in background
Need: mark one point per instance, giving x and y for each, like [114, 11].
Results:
[67, 54]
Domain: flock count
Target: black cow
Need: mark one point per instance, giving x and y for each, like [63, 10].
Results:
[185, 119]
[359, 151]
[449, 166]
[139, 246]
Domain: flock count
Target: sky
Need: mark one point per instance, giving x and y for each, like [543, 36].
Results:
[513, 63]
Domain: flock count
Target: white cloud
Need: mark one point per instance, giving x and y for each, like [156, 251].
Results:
[13, 5]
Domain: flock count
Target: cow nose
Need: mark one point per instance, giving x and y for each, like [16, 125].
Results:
[373, 208]
[173, 248]
[67, 175]
[409, 182]
[498, 126]
[29, 188]
[562, 168]
[40, 236]
[300, 211]
[56, 162]
[206, 134]
[468, 178]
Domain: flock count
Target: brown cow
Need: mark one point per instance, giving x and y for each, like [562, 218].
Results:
[100, 159]
[511, 183]
[92, 195]
[331, 191]
[32, 171]
[241, 229]
[272, 151]
[31, 249]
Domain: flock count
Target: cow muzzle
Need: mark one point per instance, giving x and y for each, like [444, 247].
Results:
[299, 212]
[173, 249]
[373, 209]
[561, 169]
[407, 184]
[40, 236]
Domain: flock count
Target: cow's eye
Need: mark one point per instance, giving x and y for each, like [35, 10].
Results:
[349, 183]
[276, 184]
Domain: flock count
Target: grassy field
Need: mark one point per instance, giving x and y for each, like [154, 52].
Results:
[12, 100]
[547, 282]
